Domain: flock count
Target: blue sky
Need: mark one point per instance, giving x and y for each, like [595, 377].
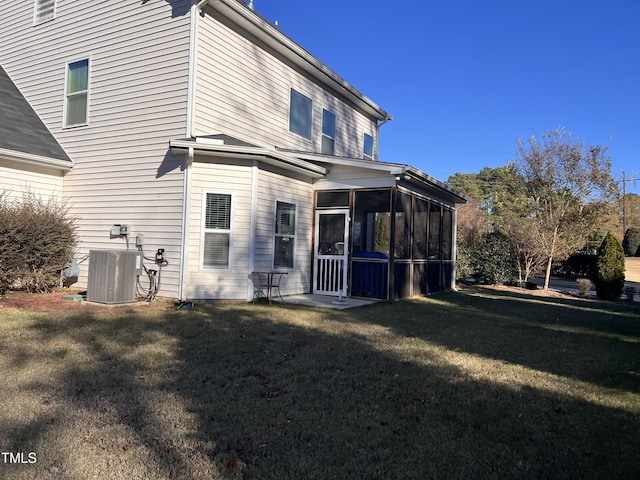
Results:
[464, 79]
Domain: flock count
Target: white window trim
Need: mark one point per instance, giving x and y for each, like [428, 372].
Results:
[310, 138]
[89, 59]
[335, 128]
[294, 236]
[37, 22]
[203, 230]
[364, 137]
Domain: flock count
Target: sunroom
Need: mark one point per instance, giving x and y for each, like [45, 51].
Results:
[382, 230]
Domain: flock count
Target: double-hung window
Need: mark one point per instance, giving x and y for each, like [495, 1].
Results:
[43, 11]
[368, 146]
[76, 98]
[328, 132]
[285, 235]
[300, 114]
[216, 230]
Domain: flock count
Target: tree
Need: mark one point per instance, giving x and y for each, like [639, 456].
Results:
[493, 260]
[609, 278]
[632, 207]
[472, 224]
[631, 242]
[559, 190]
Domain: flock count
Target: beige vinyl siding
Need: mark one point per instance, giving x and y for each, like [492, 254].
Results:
[138, 63]
[244, 91]
[220, 283]
[273, 187]
[236, 178]
[18, 180]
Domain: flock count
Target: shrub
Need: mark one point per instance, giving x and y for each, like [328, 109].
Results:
[609, 277]
[630, 292]
[584, 285]
[578, 265]
[494, 260]
[37, 240]
[631, 242]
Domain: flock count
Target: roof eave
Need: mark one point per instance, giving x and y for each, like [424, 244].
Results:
[288, 162]
[39, 160]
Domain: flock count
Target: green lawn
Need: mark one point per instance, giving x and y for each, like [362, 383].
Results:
[483, 384]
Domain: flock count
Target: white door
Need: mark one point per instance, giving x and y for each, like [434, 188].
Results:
[331, 255]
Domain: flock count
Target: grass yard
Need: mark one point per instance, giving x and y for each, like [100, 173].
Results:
[478, 384]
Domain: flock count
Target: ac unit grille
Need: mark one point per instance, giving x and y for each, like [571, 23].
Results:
[113, 276]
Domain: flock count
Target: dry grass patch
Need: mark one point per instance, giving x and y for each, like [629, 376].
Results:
[482, 384]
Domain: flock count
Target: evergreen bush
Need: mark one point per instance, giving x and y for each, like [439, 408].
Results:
[37, 240]
[609, 276]
[631, 242]
[494, 260]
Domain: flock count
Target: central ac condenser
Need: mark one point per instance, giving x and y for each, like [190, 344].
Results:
[113, 276]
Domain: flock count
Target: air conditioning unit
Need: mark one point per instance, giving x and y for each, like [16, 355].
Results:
[113, 276]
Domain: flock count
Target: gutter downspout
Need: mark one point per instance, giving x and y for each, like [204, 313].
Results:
[377, 146]
[184, 241]
[193, 64]
[252, 228]
[186, 179]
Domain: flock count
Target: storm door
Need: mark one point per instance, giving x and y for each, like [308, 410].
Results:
[331, 255]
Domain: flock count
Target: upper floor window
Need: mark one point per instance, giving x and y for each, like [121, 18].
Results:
[76, 99]
[285, 235]
[300, 114]
[43, 11]
[328, 132]
[216, 230]
[368, 145]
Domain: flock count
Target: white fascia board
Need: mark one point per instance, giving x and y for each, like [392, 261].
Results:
[271, 36]
[31, 159]
[264, 154]
[391, 168]
[420, 176]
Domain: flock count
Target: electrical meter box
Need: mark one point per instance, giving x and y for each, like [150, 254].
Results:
[113, 276]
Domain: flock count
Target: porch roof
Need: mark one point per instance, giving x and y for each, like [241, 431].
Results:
[224, 146]
[407, 173]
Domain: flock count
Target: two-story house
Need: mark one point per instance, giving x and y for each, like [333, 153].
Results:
[205, 128]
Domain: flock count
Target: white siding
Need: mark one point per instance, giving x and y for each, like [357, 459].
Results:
[16, 181]
[273, 187]
[236, 178]
[220, 283]
[243, 91]
[124, 172]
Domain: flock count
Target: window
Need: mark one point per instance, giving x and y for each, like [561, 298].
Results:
[435, 216]
[216, 230]
[368, 145]
[447, 234]
[300, 114]
[328, 132]
[285, 235]
[43, 11]
[76, 93]
[420, 222]
[402, 242]
[372, 223]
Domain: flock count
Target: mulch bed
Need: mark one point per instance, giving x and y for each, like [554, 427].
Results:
[52, 302]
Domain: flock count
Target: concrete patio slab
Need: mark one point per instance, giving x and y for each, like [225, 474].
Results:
[312, 300]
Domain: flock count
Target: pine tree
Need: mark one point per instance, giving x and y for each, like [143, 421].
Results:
[609, 278]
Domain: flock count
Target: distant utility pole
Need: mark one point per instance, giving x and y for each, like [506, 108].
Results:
[624, 200]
